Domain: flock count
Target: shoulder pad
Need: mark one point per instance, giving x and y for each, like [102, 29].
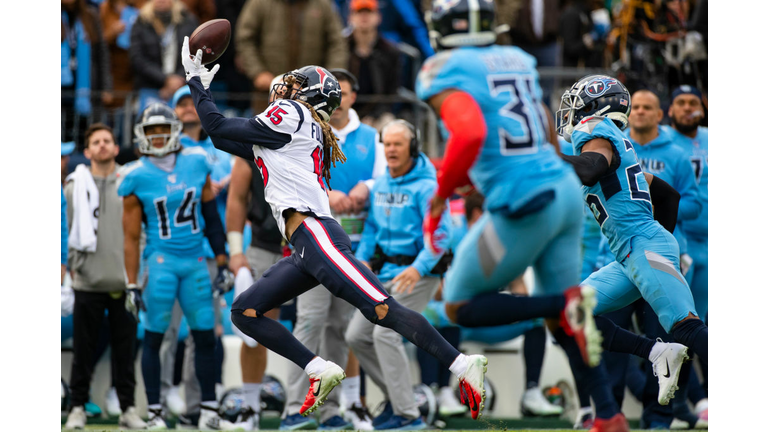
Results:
[129, 168]
[194, 150]
[432, 67]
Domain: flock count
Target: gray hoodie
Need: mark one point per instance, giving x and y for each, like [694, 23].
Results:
[104, 270]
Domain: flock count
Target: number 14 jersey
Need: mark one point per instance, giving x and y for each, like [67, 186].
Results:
[170, 201]
[292, 174]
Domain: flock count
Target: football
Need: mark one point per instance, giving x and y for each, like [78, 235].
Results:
[212, 37]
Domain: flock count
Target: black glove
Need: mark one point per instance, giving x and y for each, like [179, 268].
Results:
[224, 281]
[133, 301]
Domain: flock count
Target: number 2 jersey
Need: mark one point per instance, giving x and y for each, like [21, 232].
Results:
[516, 163]
[170, 201]
[620, 201]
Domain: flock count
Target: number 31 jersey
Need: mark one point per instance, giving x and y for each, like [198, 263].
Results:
[515, 163]
[170, 201]
[620, 201]
[292, 174]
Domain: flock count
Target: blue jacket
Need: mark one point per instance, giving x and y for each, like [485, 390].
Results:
[360, 149]
[395, 218]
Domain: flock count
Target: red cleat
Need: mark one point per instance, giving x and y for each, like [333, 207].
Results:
[320, 386]
[471, 385]
[578, 321]
[616, 423]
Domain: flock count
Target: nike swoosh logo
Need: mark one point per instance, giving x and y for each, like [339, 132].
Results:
[320, 382]
[471, 400]
[666, 375]
[302, 253]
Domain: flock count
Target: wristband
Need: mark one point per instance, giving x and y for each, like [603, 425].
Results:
[131, 286]
[235, 240]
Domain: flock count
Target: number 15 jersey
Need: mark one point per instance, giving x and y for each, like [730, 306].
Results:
[620, 201]
[292, 174]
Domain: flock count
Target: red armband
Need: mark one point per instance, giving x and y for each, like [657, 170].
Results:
[464, 120]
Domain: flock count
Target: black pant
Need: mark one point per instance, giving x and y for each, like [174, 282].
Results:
[87, 318]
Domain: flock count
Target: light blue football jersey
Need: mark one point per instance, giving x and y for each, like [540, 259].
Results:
[620, 201]
[697, 150]
[170, 201]
[516, 163]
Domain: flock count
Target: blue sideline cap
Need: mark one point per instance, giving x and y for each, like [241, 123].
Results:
[67, 148]
[182, 92]
[686, 89]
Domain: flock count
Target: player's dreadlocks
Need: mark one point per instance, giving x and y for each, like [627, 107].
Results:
[331, 151]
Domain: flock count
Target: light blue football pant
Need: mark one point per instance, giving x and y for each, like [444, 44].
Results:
[170, 277]
[497, 249]
[651, 271]
[698, 249]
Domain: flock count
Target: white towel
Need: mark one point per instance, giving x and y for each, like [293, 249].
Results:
[243, 281]
[85, 204]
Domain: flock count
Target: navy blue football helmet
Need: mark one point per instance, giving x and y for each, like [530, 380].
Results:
[314, 85]
[158, 114]
[456, 23]
[593, 95]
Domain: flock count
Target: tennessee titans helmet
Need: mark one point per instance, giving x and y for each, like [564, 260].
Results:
[593, 95]
[158, 114]
[316, 86]
[456, 23]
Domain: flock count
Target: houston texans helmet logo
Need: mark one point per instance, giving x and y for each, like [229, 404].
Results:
[327, 85]
[598, 86]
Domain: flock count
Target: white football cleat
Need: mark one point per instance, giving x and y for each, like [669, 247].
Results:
[76, 418]
[211, 420]
[156, 421]
[174, 402]
[248, 420]
[667, 369]
[449, 405]
[535, 404]
[578, 321]
[113, 403]
[471, 384]
[320, 386]
[359, 416]
[130, 420]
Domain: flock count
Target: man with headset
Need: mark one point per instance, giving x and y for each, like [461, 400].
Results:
[392, 245]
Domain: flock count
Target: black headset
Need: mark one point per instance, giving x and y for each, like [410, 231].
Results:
[415, 136]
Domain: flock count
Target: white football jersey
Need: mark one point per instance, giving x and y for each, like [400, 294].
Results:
[292, 174]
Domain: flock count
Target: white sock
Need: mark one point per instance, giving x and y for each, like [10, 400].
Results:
[459, 366]
[315, 367]
[155, 407]
[656, 351]
[210, 404]
[252, 395]
[350, 391]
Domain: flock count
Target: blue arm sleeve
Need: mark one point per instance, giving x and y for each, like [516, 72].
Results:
[426, 260]
[690, 204]
[64, 231]
[233, 135]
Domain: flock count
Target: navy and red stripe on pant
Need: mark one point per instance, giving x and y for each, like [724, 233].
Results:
[322, 255]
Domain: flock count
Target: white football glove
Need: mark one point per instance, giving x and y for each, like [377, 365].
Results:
[685, 263]
[193, 66]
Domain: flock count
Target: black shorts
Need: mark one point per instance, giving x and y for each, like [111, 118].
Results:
[321, 255]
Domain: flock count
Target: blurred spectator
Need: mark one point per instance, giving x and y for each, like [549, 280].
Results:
[156, 39]
[117, 18]
[276, 36]
[85, 78]
[203, 10]
[402, 21]
[582, 46]
[232, 75]
[95, 259]
[535, 30]
[373, 60]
